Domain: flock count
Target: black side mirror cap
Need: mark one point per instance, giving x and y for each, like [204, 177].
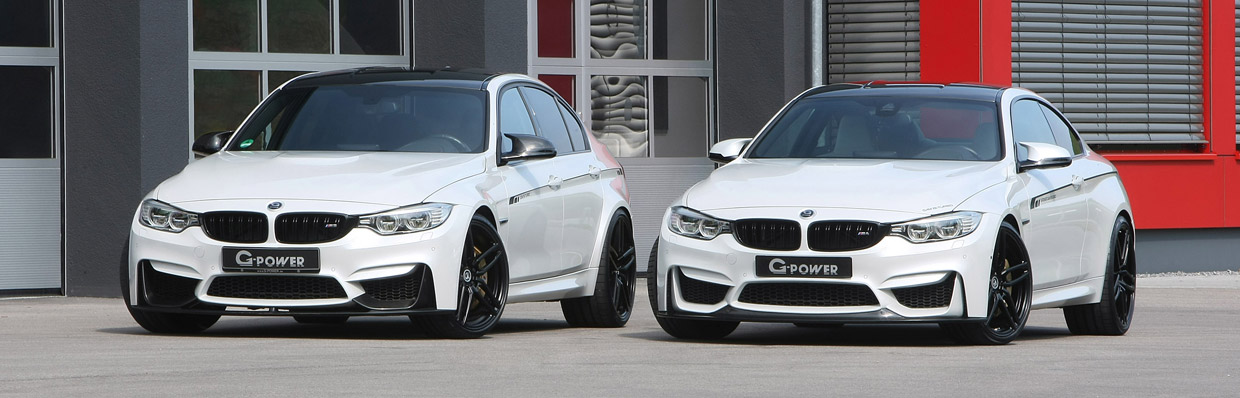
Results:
[526, 147]
[210, 143]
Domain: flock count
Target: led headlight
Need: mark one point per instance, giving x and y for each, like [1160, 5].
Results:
[165, 217]
[937, 228]
[416, 218]
[688, 222]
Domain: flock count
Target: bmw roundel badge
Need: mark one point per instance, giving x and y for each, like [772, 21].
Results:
[274, 206]
[807, 213]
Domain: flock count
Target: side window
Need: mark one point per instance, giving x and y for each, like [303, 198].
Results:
[1029, 125]
[575, 133]
[513, 118]
[550, 122]
[1063, 134]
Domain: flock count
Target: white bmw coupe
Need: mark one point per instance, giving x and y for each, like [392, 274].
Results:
[962, 205]
[442, 195]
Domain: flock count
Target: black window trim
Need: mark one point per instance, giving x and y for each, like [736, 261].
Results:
[1071, 129]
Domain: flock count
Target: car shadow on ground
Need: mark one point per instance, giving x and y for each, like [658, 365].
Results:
[357, 328]
[916, 335]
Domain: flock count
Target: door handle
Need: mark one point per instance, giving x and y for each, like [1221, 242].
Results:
[554, 182]
[595, 172]
[1077, 182]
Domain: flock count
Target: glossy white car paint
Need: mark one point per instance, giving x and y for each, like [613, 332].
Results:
[553, 233]
[1067, 232]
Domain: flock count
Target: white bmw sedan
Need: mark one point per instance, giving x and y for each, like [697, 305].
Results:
[962, 205]
[441, 195]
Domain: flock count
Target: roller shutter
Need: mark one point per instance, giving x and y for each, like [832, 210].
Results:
[873, 40]
[1124, 71]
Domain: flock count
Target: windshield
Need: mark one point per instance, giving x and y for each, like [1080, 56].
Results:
[373, 117]
[872, 127]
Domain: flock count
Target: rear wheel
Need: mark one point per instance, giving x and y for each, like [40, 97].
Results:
[160, 322]
[1112, 315]
[1011, 292]
[695, 329]
[482, 288]
[612, 302]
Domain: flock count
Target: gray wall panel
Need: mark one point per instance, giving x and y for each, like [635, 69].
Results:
[653, 185]
[165, 132]
[102, 143]
[506, 35]
[449, 33]
[30, 234]
[1188, 250]
[749, 72]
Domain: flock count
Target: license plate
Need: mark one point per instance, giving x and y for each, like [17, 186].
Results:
[804, 267]
[250, 259]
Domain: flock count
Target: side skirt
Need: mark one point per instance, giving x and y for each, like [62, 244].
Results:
[576, 284]
[1088, 291]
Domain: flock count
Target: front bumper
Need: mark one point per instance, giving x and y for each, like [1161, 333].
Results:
[892, 281]
[362, 273]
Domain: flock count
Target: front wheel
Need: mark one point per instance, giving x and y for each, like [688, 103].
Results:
[482, 288]
[612, 302]
[693, 329]
[1113, 315]
[160, 322]
[1011, 293]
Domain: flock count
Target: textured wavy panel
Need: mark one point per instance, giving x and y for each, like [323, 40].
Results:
[618, 114]
[617, 29]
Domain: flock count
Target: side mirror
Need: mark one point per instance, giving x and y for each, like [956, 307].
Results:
[728, 150]
[211, 142]
[1044, 156]
[525, 147]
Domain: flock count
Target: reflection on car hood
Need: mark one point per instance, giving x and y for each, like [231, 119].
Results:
[912, 186]
[385, 178]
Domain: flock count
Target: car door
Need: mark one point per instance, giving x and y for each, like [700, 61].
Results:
[535, 231]
[1055, 232]
[578, 171]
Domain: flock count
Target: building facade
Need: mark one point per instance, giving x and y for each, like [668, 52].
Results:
[99, 101]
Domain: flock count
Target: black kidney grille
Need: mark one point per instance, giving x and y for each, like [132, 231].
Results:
[166, 290]
[928, 296]
[235, 226]
[701, 292]
[276, 287]
[767, 234]
[313, 227]
[835, 236]
[808, 294]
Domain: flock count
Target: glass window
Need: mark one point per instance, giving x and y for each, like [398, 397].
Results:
[575, 133]
[555, 28]
[514, 118]
[25, 23]
[275, 78]
[1029, 125]
[617, 29]
[564, 85]
[678, 29]
[871, 127]
[226, 25]
[550, 122]
[299, 26]
[618, 114]
[1063, 134]
[223, 98]
[370, 27]
[26, 122]
[680, 124]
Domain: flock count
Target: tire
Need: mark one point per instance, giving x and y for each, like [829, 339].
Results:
[1010, 296]
[1113, 314]
[321, 319]
[161, 322]
[482, 289]
[611, 305]
[691, 329]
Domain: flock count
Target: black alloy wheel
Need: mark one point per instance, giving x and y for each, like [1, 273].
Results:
[611, 305]
[1010, 297]
[482, 288]
[1113, 314]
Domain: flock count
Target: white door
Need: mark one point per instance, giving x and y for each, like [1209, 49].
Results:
[535, 230]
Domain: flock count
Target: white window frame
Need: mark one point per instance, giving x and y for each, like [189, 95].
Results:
[48, 57]
[264, 61]
[582, 66]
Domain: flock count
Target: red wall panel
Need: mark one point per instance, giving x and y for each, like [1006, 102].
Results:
[1174, 191]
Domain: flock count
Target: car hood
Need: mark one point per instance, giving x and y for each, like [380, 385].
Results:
[911, 186]
[386, 178]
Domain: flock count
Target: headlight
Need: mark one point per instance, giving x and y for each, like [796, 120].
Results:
[940, 227]
[688, 222]
[416, 218]
[165, 217]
